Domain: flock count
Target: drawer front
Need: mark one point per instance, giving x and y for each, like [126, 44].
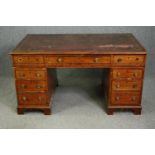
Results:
[28, 59]
[31, 86]
[32, 99]
[128, 60]
[30, 75]
[125, 98]
[127, 73]
[77, 59]
[127, 85]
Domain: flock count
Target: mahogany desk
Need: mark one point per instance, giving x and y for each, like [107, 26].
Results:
[122, 54]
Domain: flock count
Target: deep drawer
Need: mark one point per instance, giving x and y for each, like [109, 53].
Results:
[125, 98]
[126, 85]
[127, 73]
[31, 86]
[30, 74]
[33, 99]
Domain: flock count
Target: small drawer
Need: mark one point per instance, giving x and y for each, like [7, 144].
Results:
[77, 59]
[125, 98]
[28, 59]
[129, 60]
[33, 99]
[127, 85]
[31, 86]
[127, 73]
[30, 75]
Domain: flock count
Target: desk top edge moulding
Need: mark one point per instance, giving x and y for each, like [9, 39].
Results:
[121, 54]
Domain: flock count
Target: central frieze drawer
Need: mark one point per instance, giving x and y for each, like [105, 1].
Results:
[31, 86]
[126, 85]
[77, 59]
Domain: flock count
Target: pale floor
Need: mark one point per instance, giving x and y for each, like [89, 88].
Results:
[76, 106]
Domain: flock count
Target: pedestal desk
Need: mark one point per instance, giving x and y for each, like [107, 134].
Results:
[121, 54]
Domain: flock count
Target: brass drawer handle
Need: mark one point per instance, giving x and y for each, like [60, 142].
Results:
[129, 78]
[119, 60]
[40, 98]
[118, 73]
[19, 59]
[118, 86]
[133, 98]
[96, 60]
[59, 60]
[38, 75]
[23, 75]
[135, 74]
[24, 98]
[23, 86]
[134, 86]
[117, 98]
[38, 86]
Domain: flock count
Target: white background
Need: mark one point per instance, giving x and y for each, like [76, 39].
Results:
[77, 13]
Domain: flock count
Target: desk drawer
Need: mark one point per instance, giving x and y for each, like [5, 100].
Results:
[127, 73]
[77, 59]
[125, 98]
[28, 59]
[31, 86]
[126, 85]
[32, 99]
[30, 75]
[128, 60]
